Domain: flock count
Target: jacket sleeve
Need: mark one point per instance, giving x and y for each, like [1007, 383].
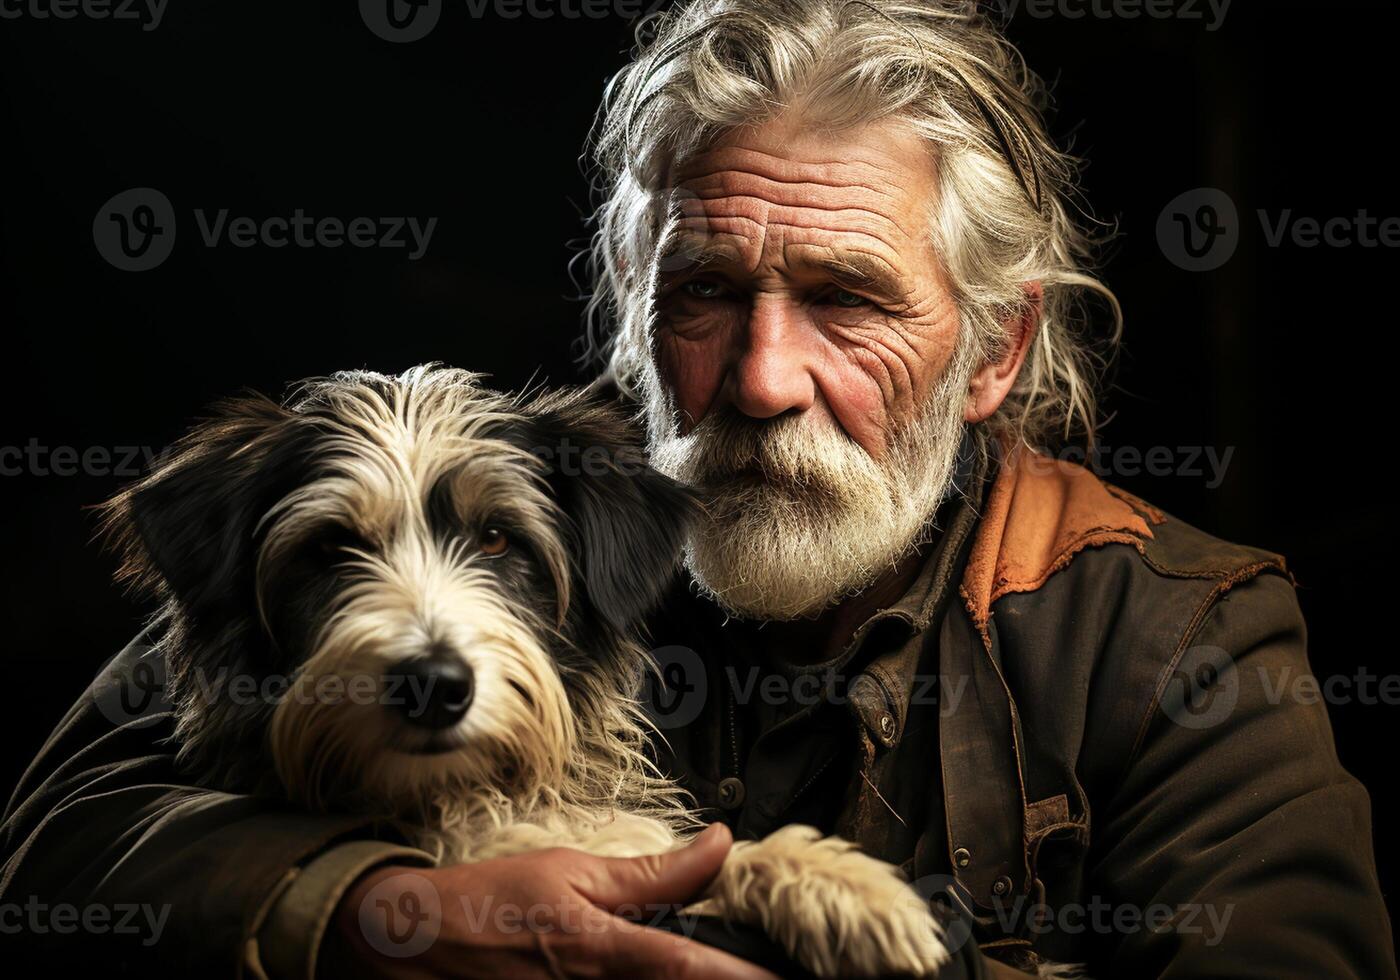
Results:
[1235, 818]
[114, 859]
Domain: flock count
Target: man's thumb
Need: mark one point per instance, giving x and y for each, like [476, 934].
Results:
[675, 878]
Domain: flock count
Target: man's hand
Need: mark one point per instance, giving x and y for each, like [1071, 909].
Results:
[549, 913]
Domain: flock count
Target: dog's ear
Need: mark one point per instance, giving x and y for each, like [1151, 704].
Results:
[187, 530]
[628, 521]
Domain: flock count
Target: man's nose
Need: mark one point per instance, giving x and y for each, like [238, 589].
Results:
[773, 373]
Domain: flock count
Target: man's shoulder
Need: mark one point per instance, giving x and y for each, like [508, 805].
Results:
[1044, 517]
[1103, 599]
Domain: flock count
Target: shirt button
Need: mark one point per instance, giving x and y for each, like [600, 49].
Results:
[731, 793]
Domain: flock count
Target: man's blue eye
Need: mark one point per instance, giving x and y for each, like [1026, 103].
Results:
[703, 288]
[844, 297]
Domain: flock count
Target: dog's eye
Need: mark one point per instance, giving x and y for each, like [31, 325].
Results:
[493, 541]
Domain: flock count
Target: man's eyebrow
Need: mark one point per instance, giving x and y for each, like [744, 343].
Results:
[689, 252]
[861, 271]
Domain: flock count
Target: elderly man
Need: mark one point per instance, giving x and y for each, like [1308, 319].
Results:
[837, 264]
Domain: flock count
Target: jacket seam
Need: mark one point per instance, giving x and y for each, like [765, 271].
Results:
[1098, 537]
[1224, 585]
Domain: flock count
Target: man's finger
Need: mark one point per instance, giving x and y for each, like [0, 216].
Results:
[658, 880]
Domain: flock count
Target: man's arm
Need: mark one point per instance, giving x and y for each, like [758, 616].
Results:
[1235, 812]
[188, 881]
[101, 819]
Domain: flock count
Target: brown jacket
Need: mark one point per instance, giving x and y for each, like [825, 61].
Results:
[1071, 724]
[1068, 727]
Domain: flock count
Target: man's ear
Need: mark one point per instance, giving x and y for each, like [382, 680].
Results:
[627, 522]
[187, 530]
[991, 383]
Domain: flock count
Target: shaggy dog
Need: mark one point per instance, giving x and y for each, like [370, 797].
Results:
[441, 585]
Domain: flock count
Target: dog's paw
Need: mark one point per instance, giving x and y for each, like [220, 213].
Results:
[835, 910]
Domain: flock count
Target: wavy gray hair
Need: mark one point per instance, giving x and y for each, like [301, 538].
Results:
[1008, 198]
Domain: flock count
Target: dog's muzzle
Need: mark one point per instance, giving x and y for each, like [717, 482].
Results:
[434, 691]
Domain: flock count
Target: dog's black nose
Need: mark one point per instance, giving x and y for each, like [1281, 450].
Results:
[433, 691]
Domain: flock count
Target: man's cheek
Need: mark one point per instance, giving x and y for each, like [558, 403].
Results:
[905, 358]
[857, 402]
[692, 367]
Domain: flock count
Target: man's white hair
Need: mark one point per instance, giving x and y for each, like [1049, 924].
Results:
[1007, 194]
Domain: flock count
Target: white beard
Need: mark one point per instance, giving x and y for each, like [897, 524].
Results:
[799, 515]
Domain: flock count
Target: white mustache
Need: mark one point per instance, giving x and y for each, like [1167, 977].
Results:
[789, 452]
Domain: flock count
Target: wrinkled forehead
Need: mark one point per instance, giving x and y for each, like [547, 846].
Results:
[856, 200]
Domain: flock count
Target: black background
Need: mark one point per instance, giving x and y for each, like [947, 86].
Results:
[1284, 354]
